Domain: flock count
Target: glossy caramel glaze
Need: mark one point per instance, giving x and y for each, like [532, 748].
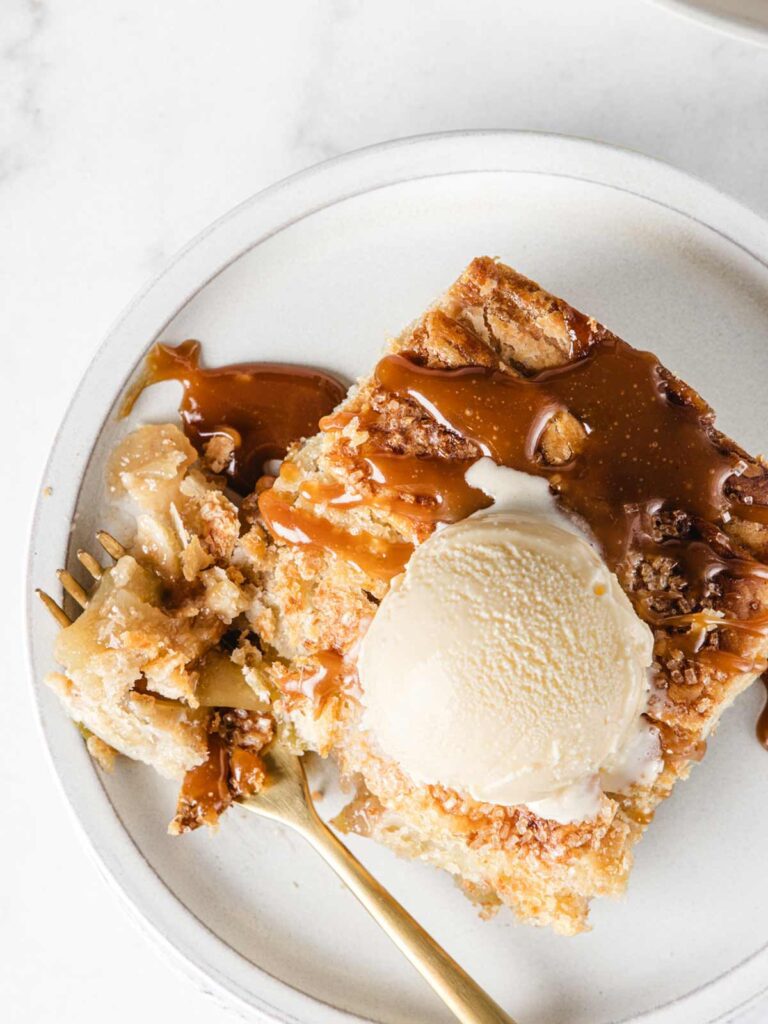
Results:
[332, 674]
[762, 722]
[646, 448]
[205, 791]
[424, 489]
[259, 409]
[374, 556]
[232, 769]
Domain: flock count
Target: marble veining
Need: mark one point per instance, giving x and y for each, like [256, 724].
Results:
[22, 65]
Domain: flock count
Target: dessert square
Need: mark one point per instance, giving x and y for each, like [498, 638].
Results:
[500, 369]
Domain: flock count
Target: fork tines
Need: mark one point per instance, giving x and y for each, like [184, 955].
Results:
[94, 568]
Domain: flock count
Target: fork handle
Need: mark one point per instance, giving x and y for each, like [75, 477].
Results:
[464, 997]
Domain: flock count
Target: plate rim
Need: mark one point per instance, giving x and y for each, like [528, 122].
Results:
[336, 180]
[738, 28]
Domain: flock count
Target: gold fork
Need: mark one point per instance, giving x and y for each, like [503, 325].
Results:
[287, 799]
[91, 565]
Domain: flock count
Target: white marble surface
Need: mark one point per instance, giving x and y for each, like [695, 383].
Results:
[125, 127]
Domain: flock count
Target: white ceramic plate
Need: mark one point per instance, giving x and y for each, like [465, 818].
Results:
[745, 19]
[320, 269]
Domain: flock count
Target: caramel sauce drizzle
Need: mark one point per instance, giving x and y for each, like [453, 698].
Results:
[753, 513]
[261, 408]
[649, 447]
[668, 457]
[622, 398]
[333, 674]
[206, 786]
[375, 556]
[426, 490]
[762, 722]
[429, 490]
[227, 772]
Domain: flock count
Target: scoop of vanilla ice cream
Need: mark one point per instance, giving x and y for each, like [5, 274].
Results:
[506, 662]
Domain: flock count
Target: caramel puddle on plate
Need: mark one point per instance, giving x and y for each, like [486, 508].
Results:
[261, 408]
